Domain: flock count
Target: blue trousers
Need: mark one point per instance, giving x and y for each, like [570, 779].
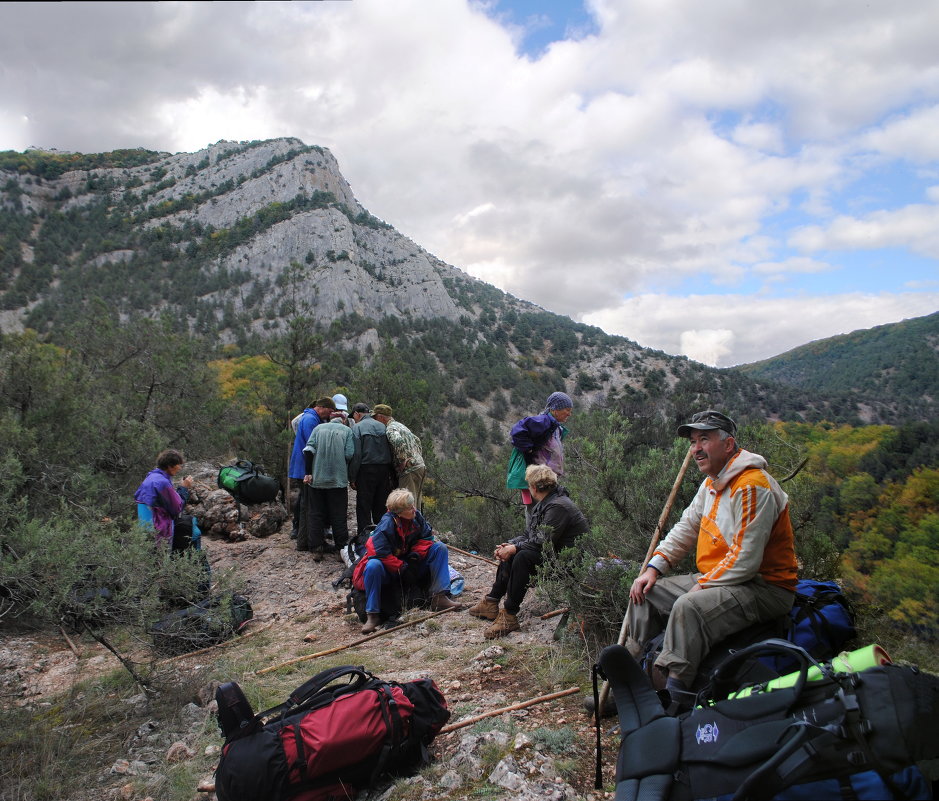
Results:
[376, 576]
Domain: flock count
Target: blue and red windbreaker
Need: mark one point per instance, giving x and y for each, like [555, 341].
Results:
[393, 539]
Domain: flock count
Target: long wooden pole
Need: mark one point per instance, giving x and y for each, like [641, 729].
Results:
[663, 519]
[521, 705]
[469, 553]
[351, 644]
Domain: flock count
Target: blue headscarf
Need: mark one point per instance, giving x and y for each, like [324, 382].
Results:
[558, 400]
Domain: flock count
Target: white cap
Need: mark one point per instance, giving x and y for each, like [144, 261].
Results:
[341, 403]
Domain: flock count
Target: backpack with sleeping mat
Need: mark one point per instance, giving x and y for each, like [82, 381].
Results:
[338, 733]
[820, 734]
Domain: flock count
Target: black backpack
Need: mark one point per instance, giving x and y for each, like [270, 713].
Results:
[211, 621]
[838, 733]
[247, 483]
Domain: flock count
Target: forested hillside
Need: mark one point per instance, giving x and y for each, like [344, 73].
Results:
[261, 247]
[896, 365]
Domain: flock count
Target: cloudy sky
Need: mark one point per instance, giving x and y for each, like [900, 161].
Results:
[724, 179]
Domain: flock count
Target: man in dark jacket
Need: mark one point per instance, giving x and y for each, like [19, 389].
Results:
[371, 470]
[553, 517]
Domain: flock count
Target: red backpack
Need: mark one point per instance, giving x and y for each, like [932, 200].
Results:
[336, 734]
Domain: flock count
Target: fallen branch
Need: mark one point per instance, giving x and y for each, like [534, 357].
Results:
[70, 643]
[470, 553]
[521, 705]
[555, 613]
[233, 641]
[351, 644]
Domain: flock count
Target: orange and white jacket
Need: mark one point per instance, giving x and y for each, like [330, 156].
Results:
[739, 524]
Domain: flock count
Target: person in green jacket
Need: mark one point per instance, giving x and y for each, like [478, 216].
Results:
[327, 455]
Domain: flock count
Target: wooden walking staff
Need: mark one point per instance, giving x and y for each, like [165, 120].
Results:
[521, 705]
[663, 518]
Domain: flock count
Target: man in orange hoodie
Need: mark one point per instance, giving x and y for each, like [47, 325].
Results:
[739, 525]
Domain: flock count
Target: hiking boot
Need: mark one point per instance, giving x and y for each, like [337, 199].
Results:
[317, 554]
[503, 624]
[487, 609]
[442, 601]
[373, 622]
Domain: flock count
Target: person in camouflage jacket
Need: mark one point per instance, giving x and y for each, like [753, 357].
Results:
[405, 450]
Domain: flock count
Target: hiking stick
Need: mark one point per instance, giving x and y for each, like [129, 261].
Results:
[521, 705]
[666, 511]
[469, 553]
[351, 644]
[796, 471]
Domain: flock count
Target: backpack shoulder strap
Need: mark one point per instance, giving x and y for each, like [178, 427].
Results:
[651, 740]
[316, 691]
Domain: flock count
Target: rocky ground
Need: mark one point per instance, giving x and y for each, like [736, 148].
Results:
[544, 751]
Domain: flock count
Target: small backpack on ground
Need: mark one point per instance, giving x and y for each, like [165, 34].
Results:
[395, 597]
[186, 533]
[821, 621]
[247, 483]
[187, 539]
[337, 734]
[851, 735]
[199, 625]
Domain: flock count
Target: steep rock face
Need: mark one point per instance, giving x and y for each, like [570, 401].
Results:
[276, 205]
[270, 172]
[348, 268]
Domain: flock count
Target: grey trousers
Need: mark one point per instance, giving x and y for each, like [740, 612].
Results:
[695, 622]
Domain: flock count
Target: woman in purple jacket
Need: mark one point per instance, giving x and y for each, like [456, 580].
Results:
[158, 501]
[539, 440]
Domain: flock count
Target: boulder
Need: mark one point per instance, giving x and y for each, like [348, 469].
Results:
[220, 516]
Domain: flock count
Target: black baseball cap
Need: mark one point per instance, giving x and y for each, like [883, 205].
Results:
[709, 420]
[362, 408]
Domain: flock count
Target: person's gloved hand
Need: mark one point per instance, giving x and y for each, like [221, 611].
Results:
[409, 569]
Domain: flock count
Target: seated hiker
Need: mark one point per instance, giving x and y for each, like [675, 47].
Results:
[553, 517]
[402, 547]
[738, 524]
[158, 501]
